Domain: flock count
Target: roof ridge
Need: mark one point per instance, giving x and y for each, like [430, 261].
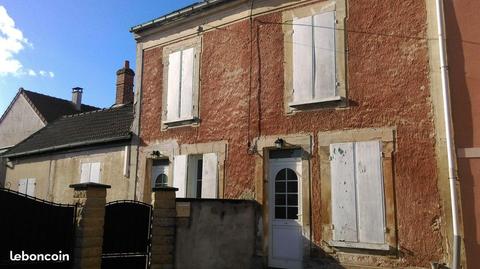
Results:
[49, 96]
[95, 111]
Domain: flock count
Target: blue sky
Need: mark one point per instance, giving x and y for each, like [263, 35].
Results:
[50, 46]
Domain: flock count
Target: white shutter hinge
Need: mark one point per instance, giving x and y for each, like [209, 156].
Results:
[333, 227]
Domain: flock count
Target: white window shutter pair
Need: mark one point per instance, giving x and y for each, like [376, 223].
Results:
[314, 73]
[180, 84]
[90, 172]
[209, 175]
[27, 186]
[358, 213]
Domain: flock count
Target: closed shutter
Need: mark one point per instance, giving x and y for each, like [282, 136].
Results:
[95, 172]
[85, 173]
[302, 59]
[324, 43]
[180, 174]
[22, 185]
[186, 88]
[371, 220]
[344, 214]
[173, 91]
[31, 187]
[210, 176]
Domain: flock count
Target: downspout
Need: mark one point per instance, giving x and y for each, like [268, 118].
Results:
[452, 169]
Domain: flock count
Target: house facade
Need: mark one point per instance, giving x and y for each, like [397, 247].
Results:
[84, 147]
[463, 38]
[29, 112]
[326, 113]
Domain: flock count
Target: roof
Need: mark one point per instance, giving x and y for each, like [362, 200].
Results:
[180, 13]
[52, 108]
[73, 131]
[48, 108]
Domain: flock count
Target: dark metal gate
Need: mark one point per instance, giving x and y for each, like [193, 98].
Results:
[33, 226]
[126, 235]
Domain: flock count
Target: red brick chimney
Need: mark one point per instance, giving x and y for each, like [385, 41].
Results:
[124, 85]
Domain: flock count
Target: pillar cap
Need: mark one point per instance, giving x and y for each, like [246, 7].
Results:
[157, 189]
[87, 185]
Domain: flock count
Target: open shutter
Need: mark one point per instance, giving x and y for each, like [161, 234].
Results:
[302, 59]
[186, 87]
[371, 216]
[22, 186]
[95, 172]
[210, 176]
[344, 215]
[180, 174]
[324, 43]
[85, 173]
[173, 91]
[31, 187]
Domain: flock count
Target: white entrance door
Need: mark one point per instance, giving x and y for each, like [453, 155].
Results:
[285, 243]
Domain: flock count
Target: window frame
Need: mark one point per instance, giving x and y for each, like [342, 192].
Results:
[340, 99]
[386, 137]
[194, 43]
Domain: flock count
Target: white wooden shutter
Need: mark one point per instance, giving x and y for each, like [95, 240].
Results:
[324, 43]
[210, 176]
[343, 192]
[95, 172]
[180, 174]
[186, 88]
[302, 59]
[371, 216]
[173, 91]
[22, 186]
[31, 187]
[85, 173]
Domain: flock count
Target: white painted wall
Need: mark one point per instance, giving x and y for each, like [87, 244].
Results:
[20, 122]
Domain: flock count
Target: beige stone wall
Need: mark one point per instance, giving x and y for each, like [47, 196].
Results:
[55, 173]
[20, 122]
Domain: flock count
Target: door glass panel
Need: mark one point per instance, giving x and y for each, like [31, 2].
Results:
[292, 213]
[292, 186]
[286, 194]
[280, 199]
[280, 212]
[292, 199]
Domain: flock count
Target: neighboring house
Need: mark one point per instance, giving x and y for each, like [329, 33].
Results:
[29, 112]
[324, 112]
[86, 147]
[463, 41]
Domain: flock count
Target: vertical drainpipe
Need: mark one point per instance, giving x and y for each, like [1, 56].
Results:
[452, 169]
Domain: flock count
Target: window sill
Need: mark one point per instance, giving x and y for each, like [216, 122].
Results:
[181, 121]
[342, 244]
[315, 101]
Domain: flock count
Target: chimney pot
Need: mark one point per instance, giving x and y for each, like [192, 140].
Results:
[77, 97]
[124, 92]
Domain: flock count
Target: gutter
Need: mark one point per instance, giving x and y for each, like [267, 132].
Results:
[188, 10]
[67, 146]
[452, 166]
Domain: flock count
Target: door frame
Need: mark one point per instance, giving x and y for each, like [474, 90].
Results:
[285, 163]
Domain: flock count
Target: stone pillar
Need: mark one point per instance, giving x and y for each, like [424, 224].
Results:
[163, 228]
[90, 199]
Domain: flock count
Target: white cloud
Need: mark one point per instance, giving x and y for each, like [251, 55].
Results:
[12, 42]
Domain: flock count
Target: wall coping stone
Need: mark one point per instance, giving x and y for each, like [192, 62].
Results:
[83, 186]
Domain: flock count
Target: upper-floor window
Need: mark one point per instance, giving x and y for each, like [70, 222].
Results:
[314, 53]
[90, 172]
[27, 186]
[181, 86]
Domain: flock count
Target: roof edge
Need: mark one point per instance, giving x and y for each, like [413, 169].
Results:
[68, 146]
[174, 15]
